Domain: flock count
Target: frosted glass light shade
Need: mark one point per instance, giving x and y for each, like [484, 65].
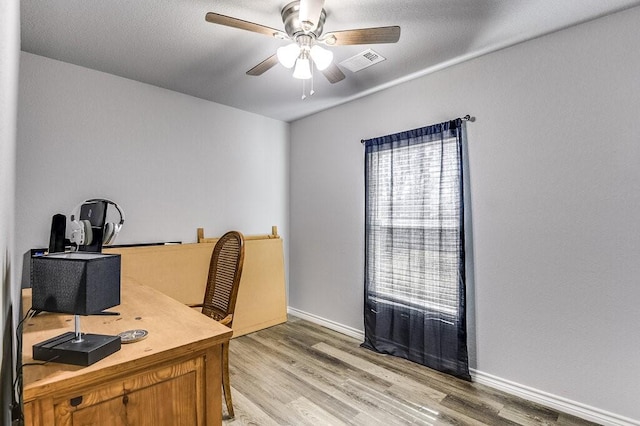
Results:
[303, 69]
[321, 56]
[288, 54]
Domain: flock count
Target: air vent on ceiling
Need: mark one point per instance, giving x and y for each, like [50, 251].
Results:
[362, 60]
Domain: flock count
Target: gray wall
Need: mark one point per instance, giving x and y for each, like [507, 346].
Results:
[554, 196]
[173, 162]
[9, 51]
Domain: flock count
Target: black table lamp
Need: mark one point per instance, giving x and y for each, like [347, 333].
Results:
[78, 283]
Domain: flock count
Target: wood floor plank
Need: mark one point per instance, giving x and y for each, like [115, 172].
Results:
[291, 375]
[407, 413]
[299, 373]
[569, 420]
[312, 413]
[248, 413]
[415, 388]
[521, 411]
[365, 365]
[331, 379]
[444, 414]
[481, 412]
[437, 380]
[323, 361]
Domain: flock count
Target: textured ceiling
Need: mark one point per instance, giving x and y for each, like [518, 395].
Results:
[168, 43]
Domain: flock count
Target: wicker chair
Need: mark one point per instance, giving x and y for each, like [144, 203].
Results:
[220, 295]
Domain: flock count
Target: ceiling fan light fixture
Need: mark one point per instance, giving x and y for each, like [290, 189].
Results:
[288, 54]
[303, 68]
[321, 57]
[304, 25]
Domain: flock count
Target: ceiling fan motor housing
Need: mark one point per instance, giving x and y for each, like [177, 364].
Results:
[294, 27]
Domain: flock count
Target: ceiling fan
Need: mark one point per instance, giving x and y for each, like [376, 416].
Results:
[303, 23]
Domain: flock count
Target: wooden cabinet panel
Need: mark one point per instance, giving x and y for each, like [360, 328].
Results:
[168, 396]
[111, 412]
[170, 403]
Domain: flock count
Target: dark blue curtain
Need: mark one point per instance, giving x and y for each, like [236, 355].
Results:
[415, 259]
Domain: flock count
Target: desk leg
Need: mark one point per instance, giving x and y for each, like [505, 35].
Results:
[213, 386]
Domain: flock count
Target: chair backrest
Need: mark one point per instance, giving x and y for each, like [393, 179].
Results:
[225, 271]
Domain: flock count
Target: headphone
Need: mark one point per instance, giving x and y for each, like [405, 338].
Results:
[82, 233]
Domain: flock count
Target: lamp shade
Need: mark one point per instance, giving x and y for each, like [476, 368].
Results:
[303, 69]
[75, 283]
[288, 54]
[321, 56]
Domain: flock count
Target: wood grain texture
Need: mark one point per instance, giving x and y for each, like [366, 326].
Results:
[216, 18]
[264, 66]
[174, 331]
[365, 36]
[300, 373]
[170, 378]
[180, 271]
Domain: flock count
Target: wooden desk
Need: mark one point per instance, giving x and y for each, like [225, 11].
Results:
[170, 378]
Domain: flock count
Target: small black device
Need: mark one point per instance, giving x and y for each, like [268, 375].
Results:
[58, 229]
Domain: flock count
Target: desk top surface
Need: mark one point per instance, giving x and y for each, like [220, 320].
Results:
[174, 330]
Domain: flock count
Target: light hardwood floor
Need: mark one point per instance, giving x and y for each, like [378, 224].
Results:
[300, 373]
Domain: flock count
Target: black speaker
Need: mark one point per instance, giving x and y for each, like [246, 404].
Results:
[58, 229]
[75, 283]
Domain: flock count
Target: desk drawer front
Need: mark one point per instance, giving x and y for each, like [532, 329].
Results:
[170, 395]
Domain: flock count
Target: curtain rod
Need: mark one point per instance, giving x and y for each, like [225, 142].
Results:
[465, 118]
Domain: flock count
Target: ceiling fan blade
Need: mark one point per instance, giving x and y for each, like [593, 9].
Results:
[216, 18]
[264, 66]
[362, 36]
[309, 14]
[333, 73]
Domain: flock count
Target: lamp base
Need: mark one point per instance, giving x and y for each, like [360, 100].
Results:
[63, 349]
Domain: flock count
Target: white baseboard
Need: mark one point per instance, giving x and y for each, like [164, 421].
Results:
[552, 401]
[540, 397]
[332, 325]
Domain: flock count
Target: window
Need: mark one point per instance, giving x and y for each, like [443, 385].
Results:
[409, 263]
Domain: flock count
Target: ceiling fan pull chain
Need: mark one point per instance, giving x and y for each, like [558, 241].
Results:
[312, 91]
[303, 94]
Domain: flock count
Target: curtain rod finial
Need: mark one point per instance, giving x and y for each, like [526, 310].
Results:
[469, 118]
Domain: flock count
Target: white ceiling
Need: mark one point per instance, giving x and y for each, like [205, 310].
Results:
[168, 43]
